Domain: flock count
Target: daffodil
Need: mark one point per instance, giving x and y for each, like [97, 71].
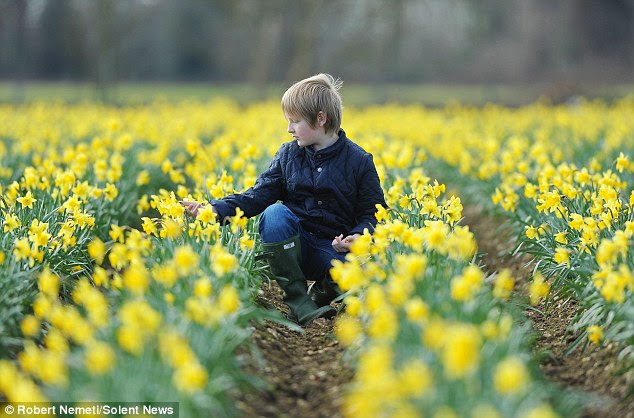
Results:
[186, 259]
[595, 333]
[48, 283]
[562, 256]
[97, 250]
[510, 376]
[504, 284]
[538, 289]
[99, 358]
[348, 330]
[190, 378]
[461, 350]
[202, 287]
[228, 299]
[222, 262]
[27, 200]
[11, 223]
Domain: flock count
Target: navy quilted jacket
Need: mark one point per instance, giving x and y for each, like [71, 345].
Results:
[332, 191]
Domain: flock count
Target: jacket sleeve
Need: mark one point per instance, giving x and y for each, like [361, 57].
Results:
[268, 189]
[369, 195]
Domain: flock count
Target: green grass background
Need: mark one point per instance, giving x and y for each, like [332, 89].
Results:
[354, 94]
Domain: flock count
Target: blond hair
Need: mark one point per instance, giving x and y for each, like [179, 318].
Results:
[319, 93]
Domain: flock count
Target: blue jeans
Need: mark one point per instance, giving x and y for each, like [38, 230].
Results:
[278, 223]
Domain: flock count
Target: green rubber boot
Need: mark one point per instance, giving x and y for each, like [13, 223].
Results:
[325, 291]
[284, 258]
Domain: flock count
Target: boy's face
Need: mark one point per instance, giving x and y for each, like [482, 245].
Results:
[303, 133]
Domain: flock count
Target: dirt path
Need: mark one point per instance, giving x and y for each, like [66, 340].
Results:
[305, 372]
[593, 370]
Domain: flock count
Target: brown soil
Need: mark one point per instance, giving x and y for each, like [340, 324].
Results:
[305, 372]
[593, 370]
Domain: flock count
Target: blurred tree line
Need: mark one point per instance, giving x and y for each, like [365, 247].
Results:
[285, 40]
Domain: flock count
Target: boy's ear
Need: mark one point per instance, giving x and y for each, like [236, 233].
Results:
[322, 118]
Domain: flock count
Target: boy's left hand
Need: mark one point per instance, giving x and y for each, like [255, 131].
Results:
[341, 244]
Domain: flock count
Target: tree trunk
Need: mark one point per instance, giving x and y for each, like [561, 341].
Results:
[104, 74]
[391, 61]
[302, 60]
[264, 52]
[20, 51]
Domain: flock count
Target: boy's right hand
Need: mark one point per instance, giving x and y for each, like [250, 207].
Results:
[341, 244]
[191, 207]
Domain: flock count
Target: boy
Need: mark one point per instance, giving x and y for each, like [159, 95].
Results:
[329, 188]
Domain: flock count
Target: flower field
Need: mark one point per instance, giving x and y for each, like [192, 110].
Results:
[110, 291]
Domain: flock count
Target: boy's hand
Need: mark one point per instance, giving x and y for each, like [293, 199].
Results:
[341, 244]
[192, 207]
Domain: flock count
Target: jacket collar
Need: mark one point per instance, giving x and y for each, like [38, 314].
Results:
[330, 151]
